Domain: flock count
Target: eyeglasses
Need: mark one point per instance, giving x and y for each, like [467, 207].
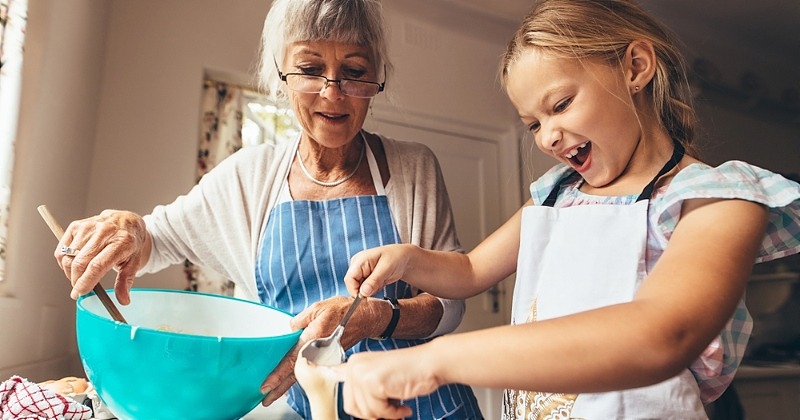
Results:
[306, 83]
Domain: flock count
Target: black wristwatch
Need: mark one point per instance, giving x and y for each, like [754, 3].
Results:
[387, 333]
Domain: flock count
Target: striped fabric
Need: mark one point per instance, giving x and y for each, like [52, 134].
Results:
[716, 367]
[304, 256]
[326, 234]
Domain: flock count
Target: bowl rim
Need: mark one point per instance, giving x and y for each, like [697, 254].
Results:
[80, 308]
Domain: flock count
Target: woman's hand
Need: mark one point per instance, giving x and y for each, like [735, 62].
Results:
[319, 320]
[372, 269]
[375, 381]
[112, 240]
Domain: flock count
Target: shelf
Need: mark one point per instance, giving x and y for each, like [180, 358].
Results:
[746, 371]
[784, 276]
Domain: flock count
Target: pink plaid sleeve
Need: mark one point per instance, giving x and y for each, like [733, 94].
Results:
[717, 366]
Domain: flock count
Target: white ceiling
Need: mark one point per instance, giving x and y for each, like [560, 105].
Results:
[738, 36]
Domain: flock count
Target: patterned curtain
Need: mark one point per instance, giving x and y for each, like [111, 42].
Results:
[13, 18]
[220, 137]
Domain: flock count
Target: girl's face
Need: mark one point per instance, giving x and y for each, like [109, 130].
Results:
[330, 118]
[580, 112]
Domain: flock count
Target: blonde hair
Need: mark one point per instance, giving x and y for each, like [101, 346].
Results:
[358, 22]
[603, 29]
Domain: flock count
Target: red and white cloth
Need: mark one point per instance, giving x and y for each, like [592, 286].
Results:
[23, 400]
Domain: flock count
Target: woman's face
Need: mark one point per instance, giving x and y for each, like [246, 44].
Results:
[579, 112]
[330, 118]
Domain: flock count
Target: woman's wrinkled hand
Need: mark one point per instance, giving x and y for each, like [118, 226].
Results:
[113, 239]
[319, 321]
[372, 269]
[374, 382]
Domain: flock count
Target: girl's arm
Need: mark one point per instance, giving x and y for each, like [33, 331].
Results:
[445, 274]
[682, 305]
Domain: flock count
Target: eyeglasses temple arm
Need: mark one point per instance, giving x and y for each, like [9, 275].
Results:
[280, 75]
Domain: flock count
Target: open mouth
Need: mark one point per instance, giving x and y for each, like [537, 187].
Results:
[579, 155]
[332, 117]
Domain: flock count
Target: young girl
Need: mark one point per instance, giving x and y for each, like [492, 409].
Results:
[632, 256]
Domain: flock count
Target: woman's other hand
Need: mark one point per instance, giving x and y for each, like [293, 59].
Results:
[319, 321]
[372, 269]
[374, 382]
[111, 240]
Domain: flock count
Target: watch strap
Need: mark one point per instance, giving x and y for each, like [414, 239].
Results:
[387, 333]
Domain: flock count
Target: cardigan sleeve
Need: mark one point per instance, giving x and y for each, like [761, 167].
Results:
[218, 223]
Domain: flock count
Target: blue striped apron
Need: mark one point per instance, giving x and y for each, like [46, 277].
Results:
[304, 255]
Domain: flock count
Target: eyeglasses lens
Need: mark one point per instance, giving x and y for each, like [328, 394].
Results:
[315, 84]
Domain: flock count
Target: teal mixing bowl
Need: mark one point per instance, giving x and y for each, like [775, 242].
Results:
[182, 355]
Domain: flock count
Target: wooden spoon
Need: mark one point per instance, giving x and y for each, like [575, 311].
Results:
[112, 309]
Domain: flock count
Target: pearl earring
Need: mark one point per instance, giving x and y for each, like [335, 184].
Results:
[637, 88]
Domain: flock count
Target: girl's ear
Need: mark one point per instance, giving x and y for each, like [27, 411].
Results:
[640, 65]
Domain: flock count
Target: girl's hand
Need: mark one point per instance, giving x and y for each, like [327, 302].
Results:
[374, 382]
[112, 240]
[372, 269]
[319, 320]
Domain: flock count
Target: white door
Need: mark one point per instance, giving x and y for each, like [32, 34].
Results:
[472, 164]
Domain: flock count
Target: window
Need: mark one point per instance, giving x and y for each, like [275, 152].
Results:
[265, 122]
[233, 117]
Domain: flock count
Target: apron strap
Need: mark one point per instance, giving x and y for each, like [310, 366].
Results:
[284, 195]
[550, 201]
[373, 168]
[677, 155]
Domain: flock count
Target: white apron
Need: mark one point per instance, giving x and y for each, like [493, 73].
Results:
[584, 257]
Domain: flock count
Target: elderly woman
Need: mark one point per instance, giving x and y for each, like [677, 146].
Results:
[283, 221]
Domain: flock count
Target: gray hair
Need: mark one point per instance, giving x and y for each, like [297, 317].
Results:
[358, 22]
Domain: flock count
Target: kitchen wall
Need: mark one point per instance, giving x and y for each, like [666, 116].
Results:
[61, 92]
[730, 132]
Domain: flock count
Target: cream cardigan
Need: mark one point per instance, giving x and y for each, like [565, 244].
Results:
[219, 224]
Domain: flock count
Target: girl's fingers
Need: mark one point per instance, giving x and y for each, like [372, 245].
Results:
[354, 277]
[340, 371]
[364, 401]
[369, 272]
[371, 409]
[376, 280]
